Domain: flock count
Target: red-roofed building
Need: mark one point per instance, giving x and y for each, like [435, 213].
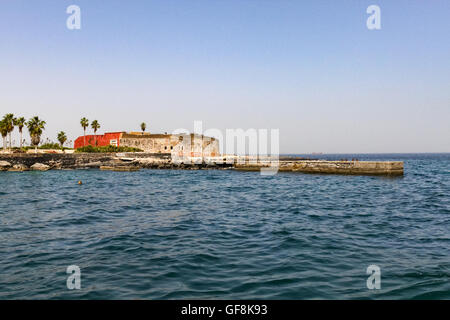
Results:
[110, 138]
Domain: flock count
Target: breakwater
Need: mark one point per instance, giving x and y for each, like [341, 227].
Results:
[389, 168]
[135, 161]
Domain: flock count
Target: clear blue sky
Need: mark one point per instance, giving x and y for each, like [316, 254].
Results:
[310, 68]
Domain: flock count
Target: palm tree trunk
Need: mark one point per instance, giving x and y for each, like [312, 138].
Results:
[4, 143]
[10, 142]
[20, 139]
[84, 139]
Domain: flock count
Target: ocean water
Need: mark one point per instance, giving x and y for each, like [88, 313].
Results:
[161, 234]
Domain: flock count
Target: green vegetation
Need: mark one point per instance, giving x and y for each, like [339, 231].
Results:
[51, 145]
[8, 123]
[95, 125]
[62, 138]
[84, 123]
[4, 132]
[35, 127]
[143, 127]
[20, 123]
[105, 149]
[45, 146]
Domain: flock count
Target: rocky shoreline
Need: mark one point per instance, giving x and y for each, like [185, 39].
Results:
[105, 161]
[135, 161]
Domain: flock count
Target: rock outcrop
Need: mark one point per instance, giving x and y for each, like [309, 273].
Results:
[40, 167]
[4, 165]
[19, 168]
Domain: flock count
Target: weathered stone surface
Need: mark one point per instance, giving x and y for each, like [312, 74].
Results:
[95, 164]
[19, 168]
[385, 168]
[4, 165]
[176, 145]
[39, 167]
[120, 168]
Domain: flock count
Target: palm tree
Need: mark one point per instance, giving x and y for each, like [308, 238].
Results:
[20, 122]
[143, 127]
[9, 123]
[4, 132]
[95, 125]
[35, 127]
[62, 138]
[84, 123]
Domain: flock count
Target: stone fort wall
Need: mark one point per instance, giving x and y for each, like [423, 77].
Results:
[178, 145]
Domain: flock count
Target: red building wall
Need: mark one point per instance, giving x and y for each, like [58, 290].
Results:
[102, 140]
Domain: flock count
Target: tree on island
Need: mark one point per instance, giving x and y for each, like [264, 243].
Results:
[8, 120]
[84, 123]
[20, 123]
[35, 127]
[95, 125]
[143, 127]
[62, 138]
[4, 132]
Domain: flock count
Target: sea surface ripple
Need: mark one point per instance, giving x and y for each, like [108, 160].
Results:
[161, 234]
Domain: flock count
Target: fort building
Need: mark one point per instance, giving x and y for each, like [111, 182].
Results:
[178, 145]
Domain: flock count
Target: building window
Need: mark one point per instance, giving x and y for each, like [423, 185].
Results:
[171, 147]
[165, 148]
